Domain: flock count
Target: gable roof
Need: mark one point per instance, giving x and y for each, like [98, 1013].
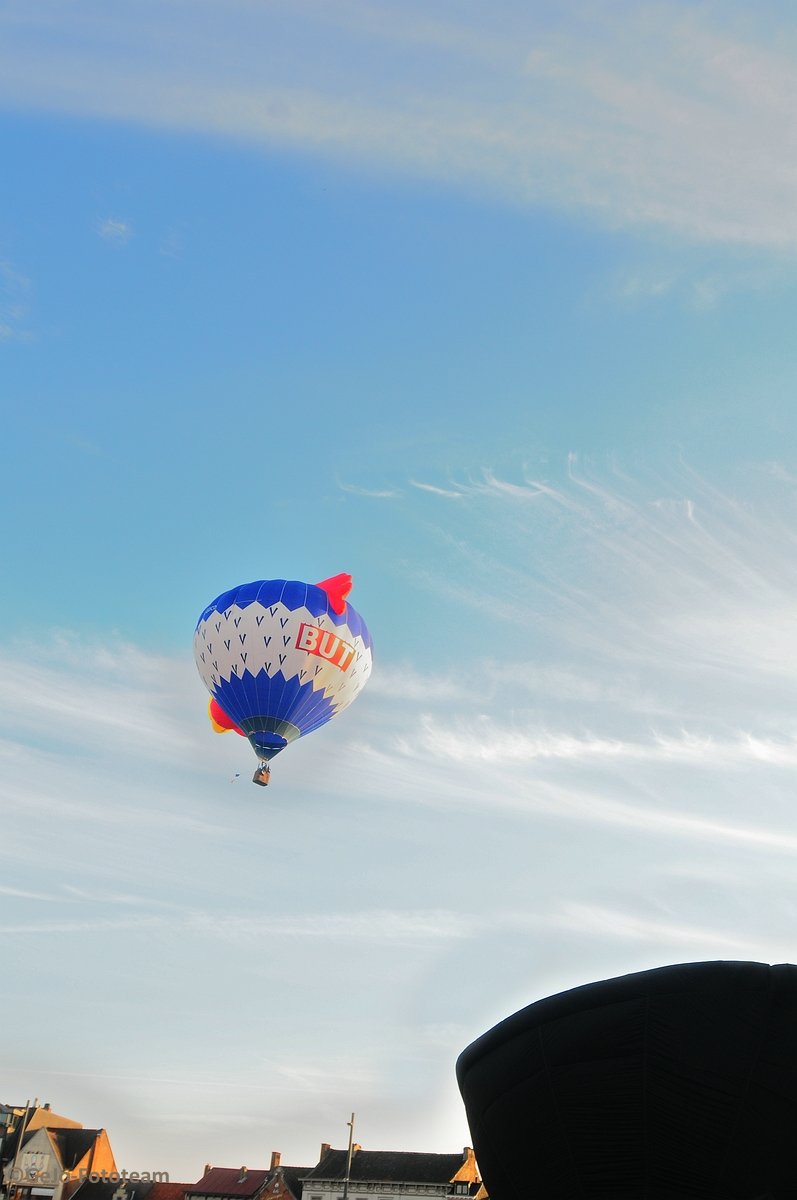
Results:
[161, 1189]
[390, 1166]
[229, 1181]
[73, 1144]
[43, 1117]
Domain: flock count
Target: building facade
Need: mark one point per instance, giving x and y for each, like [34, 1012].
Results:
[391, 1175]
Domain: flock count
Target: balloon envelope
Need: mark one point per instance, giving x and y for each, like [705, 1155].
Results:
[673, 1084]
[281, 658]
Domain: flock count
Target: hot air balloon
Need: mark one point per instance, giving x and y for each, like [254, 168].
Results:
[281, 658]
[673, 1084]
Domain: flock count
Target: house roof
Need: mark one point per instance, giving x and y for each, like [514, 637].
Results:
[43, 1117]
[160, 1190]
[136, 1189]
[70, 1145]
[101, 1189]
[229, 1181]
[393, 1166]
[73, 1144]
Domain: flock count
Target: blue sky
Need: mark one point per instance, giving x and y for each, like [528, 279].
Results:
[494, 310]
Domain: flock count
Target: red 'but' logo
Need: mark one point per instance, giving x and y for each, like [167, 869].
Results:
[325, 645]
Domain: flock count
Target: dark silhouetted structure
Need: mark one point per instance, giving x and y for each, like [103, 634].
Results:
[673, 1084]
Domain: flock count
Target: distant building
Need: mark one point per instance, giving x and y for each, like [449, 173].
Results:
[124, 1189]
[10, 1122]
[381, 1174]
[284, 1183]
[230, 1183]
[49, 1151]
[16, 1120]
[17, 1124]
[9, 1119]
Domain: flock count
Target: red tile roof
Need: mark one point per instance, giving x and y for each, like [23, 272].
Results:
[160, 1190]
[229, 1181]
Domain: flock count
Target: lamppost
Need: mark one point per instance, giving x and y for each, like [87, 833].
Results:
[348, 1158]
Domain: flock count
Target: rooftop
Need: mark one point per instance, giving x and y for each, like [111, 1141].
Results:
[396, 1166]
[229, 1181]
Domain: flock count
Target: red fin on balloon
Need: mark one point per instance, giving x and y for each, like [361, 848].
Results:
[219, 720]
[337, 588]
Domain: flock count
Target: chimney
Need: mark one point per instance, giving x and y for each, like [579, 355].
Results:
[208, 1167]
[275, 1159]
[242, 1176]
[356, 1147]
[325, 1149]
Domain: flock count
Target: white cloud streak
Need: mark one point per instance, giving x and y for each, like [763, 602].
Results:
[649, 115]
[370, 493]
[15, 291]
[490, 743]
[376, 925]
[603, 922]
[112, 689]
[112, 229]
[449, 493]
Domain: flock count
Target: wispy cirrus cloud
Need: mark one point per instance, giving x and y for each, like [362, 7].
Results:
[491, 742]
[631, 926]
[676, 570]
[638, 115]
[375, 925]
[94, 690]
[633, 658]
[436, 490]
[354, 489]
[62, 928]
[114, 229]
[15, 290]
[23, 894]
